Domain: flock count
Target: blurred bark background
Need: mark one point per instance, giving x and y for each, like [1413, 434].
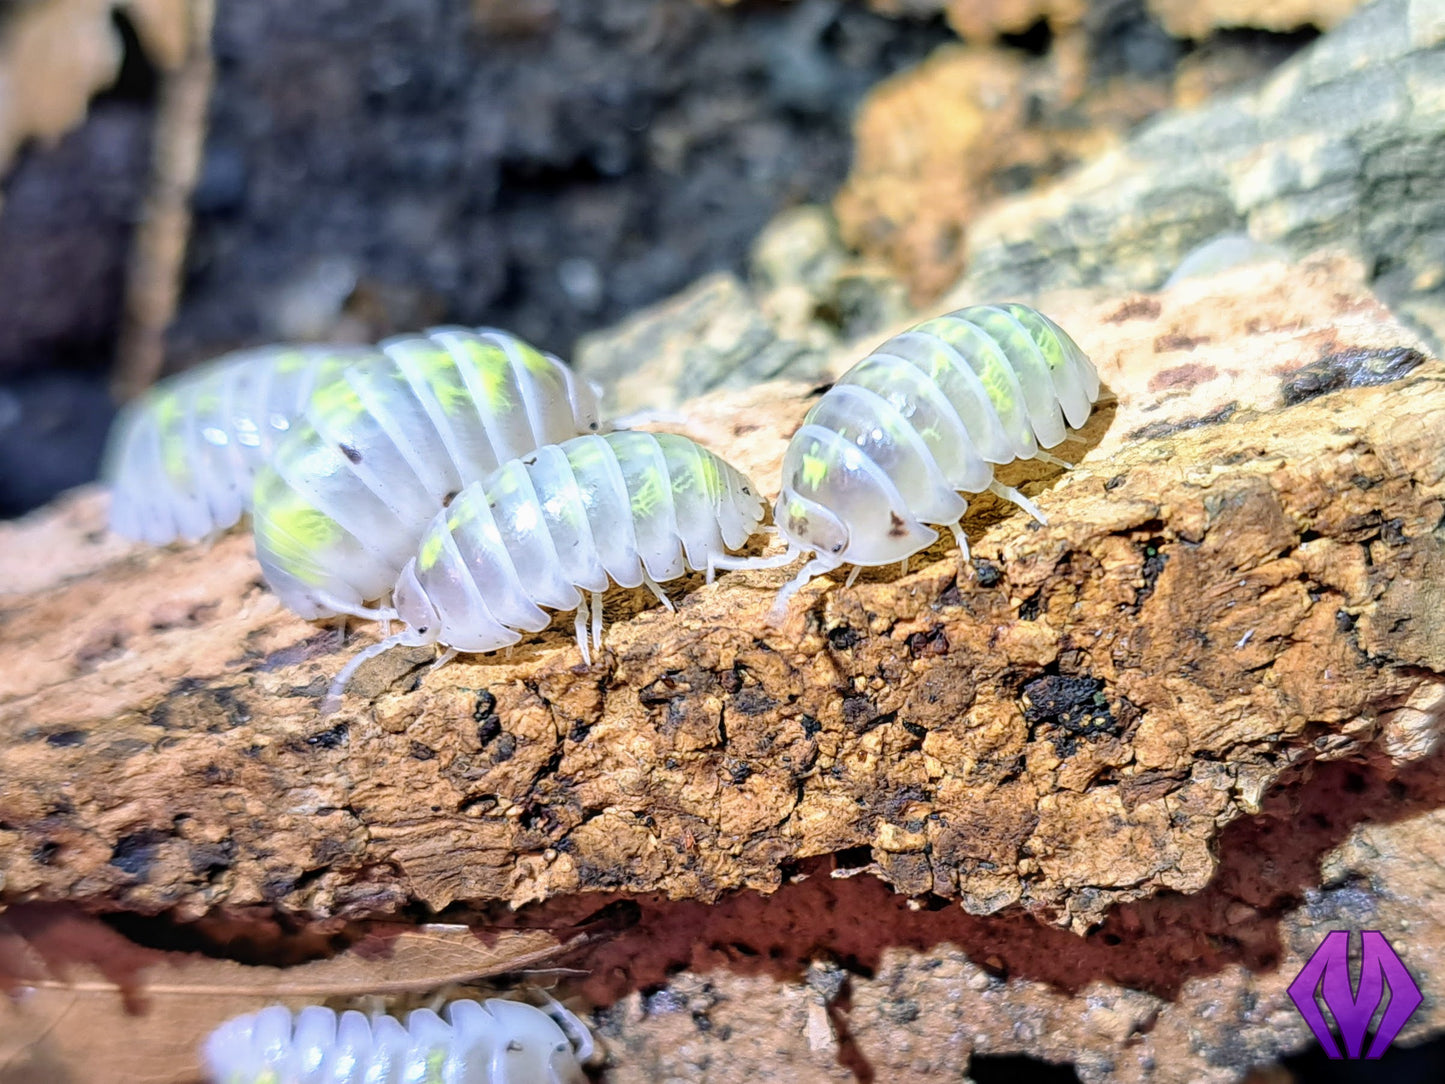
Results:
[549, 166]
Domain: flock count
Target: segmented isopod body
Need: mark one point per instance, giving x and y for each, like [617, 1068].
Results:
[890, 447]
[547, 530]
[343, 501]
[499, 1042]
[181, 458]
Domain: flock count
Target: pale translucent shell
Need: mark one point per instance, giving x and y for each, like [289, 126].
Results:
[567, 519]
[181, 458]
[925, 417]
[499, 1042]
[343, 503]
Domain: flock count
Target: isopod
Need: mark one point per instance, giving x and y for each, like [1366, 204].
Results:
[343, 501]
[548, 530]
[181, 458]
[497, 1042]
[924, 418]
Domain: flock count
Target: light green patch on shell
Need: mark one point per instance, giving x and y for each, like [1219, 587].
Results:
[649, 493]
[294, 530]
[815, 468]
[337, 403]
[493, 372]
[175, 457]
[1043, 335]
[702, 474]
[446, 383]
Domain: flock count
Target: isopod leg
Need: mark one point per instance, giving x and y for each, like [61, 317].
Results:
[962, 540]
[343, 679]
[340, 606]
[728, 562]
[445, 657]
[581, 628]
[816, 567]
[1044, 457]
[903, 567]
[1009, 493]
[597, 619]
[656, 589]
[853, 576]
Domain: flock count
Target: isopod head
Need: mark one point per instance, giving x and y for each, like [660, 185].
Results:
[838, 503]
[415, 608]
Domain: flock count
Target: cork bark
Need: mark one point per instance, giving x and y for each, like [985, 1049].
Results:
[1244, 572]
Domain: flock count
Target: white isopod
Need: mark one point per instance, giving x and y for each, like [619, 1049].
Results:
[924, 418]
[342, 502]
[181, 458]
[549, 529]
[499, 1042]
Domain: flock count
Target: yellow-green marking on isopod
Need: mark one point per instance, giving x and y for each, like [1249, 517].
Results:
[701, 472]
[815, 468]
[170, 422]
[649, 493]
[489, 362]
[536, 363]
[998, 381]
[436, 1059]
[1043, 336]
[337, 402]
[439, 371]
[290, 361]
[431, 549]
[296, 532]
[585, 454]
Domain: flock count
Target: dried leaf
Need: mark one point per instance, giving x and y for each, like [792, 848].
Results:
[53, 57]
[84, 996]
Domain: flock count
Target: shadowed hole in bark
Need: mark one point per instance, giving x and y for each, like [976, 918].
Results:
[1422, 1064]
[1018, 1069]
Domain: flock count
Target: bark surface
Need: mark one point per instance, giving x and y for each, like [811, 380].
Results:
[1244, 572]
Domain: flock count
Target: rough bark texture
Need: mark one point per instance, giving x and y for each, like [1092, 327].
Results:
[1342, 145]
[837, 980]
[1226, 590]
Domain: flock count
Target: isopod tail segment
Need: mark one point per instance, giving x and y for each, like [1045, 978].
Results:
[897, 441]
